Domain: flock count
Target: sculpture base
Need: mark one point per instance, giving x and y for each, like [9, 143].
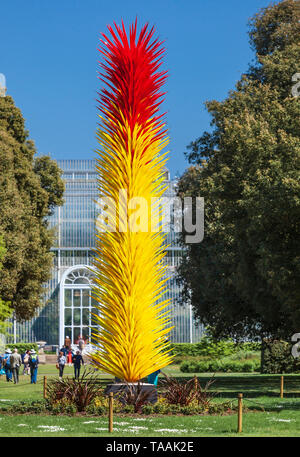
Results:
[118, 387]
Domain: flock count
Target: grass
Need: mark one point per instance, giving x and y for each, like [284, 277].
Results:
[278, 423]
[267, 414]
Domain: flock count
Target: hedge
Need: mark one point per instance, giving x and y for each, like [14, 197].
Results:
[22, 347]
[213, 349]
[233, 366]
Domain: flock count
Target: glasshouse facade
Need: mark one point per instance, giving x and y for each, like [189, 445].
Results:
[68, 302]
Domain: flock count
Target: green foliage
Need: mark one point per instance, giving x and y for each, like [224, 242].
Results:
[5, 309]
[93, 410]
[225, 365]
[79, 392]
[25, 407]
[277, 357]
[179, 393]
[208, 347]
[29, 188]
[22, 347]
[50, 181]
[191, 409]
[185, 394]
[5, 313]
[63, 406]
[100, 405]
[275, 28]
[135, 396]
[243, 280]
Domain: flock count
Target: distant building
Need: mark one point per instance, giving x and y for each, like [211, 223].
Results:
[68, 302]
[2, 85]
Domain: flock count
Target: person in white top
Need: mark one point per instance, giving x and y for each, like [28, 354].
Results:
[61, 362]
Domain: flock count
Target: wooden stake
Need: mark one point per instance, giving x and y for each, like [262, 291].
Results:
[110, 411]
[240, 412]
[45, 386]
[281, 387]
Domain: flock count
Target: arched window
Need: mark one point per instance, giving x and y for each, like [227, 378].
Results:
[77, 306]
[79, 276]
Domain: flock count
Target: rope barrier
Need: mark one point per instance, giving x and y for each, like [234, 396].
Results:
[255, 402]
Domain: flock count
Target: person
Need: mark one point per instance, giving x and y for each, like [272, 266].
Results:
[2, 371]
[26, 362]
[69, 357]
[68, 342]
[64, 350]
[15, 363]
[6, 363]
[61, 361]
[33, 364]
[81, 343]
[77, 361]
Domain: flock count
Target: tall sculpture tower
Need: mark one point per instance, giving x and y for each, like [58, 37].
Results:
[130, 274]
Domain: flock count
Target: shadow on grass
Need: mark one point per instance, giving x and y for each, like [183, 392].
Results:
[255, 385]
[293, 406]
[260, 392]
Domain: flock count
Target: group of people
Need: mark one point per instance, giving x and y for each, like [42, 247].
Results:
[67, 356]
[11, 362]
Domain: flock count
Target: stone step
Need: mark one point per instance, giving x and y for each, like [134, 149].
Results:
[51, 358]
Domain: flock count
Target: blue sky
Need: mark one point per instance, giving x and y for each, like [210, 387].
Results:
[48, 53]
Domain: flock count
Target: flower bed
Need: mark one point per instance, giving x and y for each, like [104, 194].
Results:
[85, 396]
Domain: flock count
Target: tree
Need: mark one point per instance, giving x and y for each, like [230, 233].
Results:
[5, 310]
[30, 187]
[244, 279]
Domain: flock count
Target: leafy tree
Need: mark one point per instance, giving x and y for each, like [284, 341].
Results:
[244, 279]
[5, 310]
[30, 187]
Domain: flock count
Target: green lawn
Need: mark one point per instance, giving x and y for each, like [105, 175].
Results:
[267, 414]
[282, 422]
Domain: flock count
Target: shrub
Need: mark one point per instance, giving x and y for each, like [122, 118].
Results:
[147, 409]
[99, 406]
[185, 394]
[215, 365]
[92, 410]
[79, 392]
[206, 346]
[202, 367]
[161, 406]
[63, 406]
[178, 393]
[185, 367]
[135, 396]
[214, 349]
[222, 366]
[22, 347]
[130, 408]
[245, 355]
[203, 395]
[192, 409]
[277, 357]
[221, 408]
[25, 407]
